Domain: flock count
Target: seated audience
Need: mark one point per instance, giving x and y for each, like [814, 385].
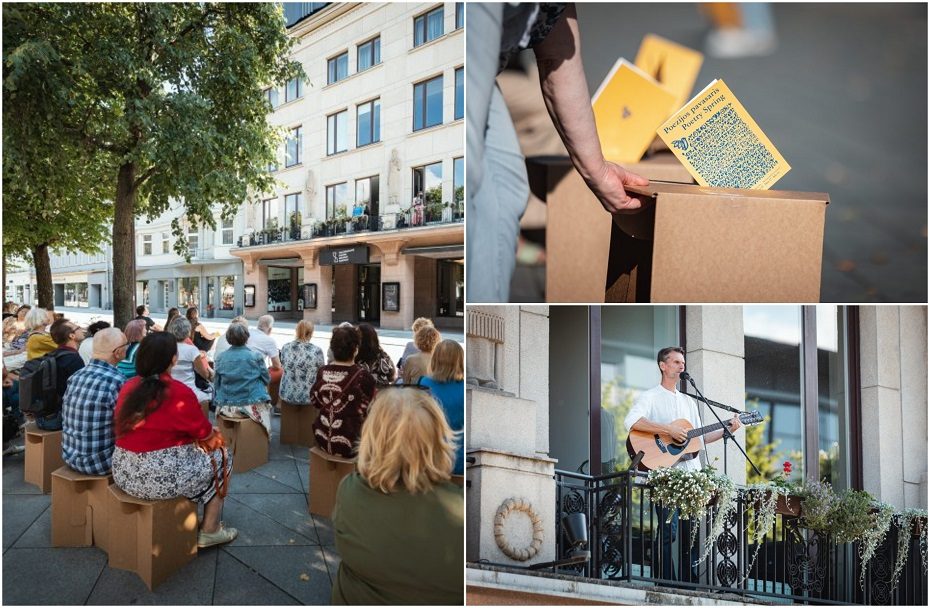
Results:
[159, 425]
[142, 314]
[342, 392]
[446, 381]
[241, 380]
[67, 336]
[411, 347]
[398, 520]
[173, 313]
[136, 330]
[262, 341]
[36, 340]
[301, 361]
[417, 365]
[202, 338]
[87, 407]
[221, 344]
[86, 350]
[373, 358]
[15, 326]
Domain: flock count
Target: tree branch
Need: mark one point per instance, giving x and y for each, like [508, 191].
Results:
[145, 176]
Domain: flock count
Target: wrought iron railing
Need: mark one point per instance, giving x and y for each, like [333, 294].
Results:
[629, 541]
[398, 221]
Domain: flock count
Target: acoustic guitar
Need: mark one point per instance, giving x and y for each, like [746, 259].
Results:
[659, 450]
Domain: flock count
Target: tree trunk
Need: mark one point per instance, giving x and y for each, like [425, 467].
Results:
[124, 249]
[43, 265]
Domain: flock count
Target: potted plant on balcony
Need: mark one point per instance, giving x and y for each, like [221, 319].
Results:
[341, 220]
[295, 220]
[911, 522]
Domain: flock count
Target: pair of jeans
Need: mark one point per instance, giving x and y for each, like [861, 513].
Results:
[11, 400]
[498, 188]
[668, 532]
[51, 422]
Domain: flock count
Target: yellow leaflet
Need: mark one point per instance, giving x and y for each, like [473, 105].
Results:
[671, 64]
[628, 107]
[720, 144]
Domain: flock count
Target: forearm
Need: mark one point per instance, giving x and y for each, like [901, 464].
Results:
[565, 90]
[644, 425]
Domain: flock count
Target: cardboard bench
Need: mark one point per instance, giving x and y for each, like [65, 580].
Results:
[297, 424]
[326, 471]
[153, 538]
[246, 440]
[79, 509]
[578, 228]
[43, 456]
[693, 243]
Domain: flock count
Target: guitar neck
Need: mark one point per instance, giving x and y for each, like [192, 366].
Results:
[706, 429]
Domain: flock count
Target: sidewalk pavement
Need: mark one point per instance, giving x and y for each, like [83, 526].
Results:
[283, 555]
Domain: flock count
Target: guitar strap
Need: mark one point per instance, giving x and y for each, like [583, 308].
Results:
[697, 404]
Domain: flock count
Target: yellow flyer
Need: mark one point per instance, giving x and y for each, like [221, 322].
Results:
[672, 64]
[720, 144]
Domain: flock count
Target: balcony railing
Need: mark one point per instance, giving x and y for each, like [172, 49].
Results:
[626, 536]
[353, 225]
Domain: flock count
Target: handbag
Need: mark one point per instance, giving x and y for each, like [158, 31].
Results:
[214, 442]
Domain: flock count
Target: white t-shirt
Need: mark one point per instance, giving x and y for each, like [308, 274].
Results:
[183, 371]
[263, 343]
[86, 349]
[661, 405]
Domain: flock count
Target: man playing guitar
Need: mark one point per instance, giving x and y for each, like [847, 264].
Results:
[652, 412]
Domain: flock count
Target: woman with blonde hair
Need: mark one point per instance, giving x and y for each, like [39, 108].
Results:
[411, 347]
[417, 365]
[446, 381]
[301, 361]
[412, 552]
[38, 339]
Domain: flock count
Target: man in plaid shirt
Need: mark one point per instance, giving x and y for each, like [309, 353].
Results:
[88, 440]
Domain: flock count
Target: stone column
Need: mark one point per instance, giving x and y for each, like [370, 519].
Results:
[398, 268]
[914, 404]
[257, 275]
[716, 359]
[323, 277]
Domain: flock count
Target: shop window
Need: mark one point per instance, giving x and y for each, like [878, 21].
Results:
[279, 289]
[228, 295]
[188, 292]
[451, 284]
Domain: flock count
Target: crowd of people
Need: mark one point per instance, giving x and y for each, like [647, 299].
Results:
[135, 403]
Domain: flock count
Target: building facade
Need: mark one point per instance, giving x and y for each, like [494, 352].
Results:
[844, 391]
[367, 223]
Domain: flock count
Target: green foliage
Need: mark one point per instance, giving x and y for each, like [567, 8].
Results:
[168, 95]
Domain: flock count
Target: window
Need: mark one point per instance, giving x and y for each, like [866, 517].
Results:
[227, 232]
[427, 180]
[272, 96]
[294, 144]
[337, 126]
[294, 90]
[228, 294]
[427, 27]
[270, 214]
[369, 54]
[427, 103]
[292, 203]
[337, 68]
[366, 193]
[368, 123]
[193, 239]
[459, 93]
[459, 15]
[458, 180]
[165, 242]
[450, 298]
[146, 244]
[337, 197]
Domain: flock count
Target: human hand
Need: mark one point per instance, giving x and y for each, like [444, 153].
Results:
[735, 423]
[7, 382]
[608, 185]
[677, 433]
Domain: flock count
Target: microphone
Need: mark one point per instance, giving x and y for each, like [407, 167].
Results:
[686, 377]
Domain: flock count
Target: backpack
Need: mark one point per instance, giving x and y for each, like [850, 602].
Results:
[38, 385]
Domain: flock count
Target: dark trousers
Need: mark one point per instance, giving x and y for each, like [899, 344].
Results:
[662, 548]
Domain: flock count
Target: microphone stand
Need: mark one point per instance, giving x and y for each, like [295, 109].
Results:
[726, 430]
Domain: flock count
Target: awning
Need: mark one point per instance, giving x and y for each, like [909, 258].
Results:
[438, 251]
[283, 262]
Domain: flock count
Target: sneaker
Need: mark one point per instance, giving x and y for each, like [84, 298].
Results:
[14, 449]
[221, 536]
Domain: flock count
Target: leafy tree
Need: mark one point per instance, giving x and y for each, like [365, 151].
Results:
[167, 99]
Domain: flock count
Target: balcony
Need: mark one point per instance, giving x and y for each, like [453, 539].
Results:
[792, 565]
[414, 218]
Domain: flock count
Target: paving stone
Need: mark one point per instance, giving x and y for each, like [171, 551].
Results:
[284, 567]
[240, 585]
[39, 534]
[324, 529]
[332, 560]
[13, 482]
[50, 577]
[19, 513]
[191, 585]
[258, 529]
[289, 511]
[251, 482]
[282, 471]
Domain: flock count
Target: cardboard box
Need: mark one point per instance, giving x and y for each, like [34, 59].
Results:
[326, 471]
[246, 440]
[578, 229]
[79, 509]
[43, 456]
[697, 244]
[297, 424]
[153, 538]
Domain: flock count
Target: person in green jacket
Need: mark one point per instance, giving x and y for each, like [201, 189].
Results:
[399, 521]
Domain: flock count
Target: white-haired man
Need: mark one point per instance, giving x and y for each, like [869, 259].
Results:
[262, 341]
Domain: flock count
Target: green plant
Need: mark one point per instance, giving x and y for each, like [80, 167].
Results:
[906, 520]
